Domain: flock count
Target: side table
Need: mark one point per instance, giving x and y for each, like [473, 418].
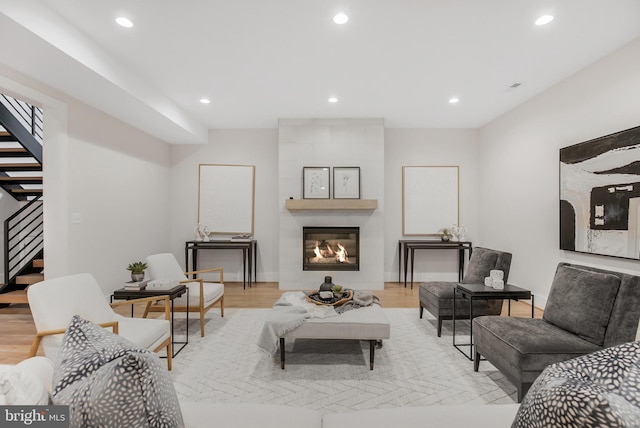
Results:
[480, 291]
[173, 293]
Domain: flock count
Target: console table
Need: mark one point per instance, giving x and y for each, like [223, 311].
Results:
[407, 247]
[249, 249]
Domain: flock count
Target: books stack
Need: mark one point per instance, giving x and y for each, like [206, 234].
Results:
[244, 236]
[162, 284]
[133, 285]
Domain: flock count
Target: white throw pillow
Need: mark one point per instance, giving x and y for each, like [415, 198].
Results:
[19, 387]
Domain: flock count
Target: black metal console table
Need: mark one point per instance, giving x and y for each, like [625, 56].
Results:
[249, 249]
[407, 247]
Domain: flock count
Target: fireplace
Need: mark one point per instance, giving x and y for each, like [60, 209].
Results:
[331, 248]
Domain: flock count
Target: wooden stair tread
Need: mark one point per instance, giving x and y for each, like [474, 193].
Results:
[20, 165]
[39, 263]
[7, 178]
[14, 297]
[13, 150]
[29, 279]
[26, 190]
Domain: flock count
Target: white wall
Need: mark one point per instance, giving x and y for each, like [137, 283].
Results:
[8, 206]
[519, 165]
[257, 147]
[119, 185]
[429, 147]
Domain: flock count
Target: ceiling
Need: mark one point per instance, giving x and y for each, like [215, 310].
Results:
[258, 61]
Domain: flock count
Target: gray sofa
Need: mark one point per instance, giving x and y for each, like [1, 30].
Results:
[437, 296]
[588, 309]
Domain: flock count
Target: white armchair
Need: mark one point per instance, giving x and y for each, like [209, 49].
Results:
[54, 302]
[202, 295]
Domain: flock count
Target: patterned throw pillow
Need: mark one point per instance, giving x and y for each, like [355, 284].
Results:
[109, 382]
[601, 389]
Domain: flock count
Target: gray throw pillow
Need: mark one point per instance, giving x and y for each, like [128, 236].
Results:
[480, 264]
[596, 390]
[109, 382]
[581, 301]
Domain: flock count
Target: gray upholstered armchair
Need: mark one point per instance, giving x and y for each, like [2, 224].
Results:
[588, 309]
[437, 296]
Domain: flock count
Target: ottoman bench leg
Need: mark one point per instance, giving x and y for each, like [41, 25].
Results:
[372, 352]
[282, 353]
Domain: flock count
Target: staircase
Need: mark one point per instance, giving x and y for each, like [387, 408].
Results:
[21, 177]
[20, 149]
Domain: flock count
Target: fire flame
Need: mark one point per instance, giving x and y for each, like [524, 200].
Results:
[326, 252]
[341, 254]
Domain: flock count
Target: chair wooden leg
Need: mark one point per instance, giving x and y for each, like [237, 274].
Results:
[169, 357]
[202, 323]
[146, 310]
[222, 306]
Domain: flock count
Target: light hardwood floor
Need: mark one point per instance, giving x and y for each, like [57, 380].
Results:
[17, 328]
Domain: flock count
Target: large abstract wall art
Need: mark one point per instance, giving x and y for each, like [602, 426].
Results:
[600, 195]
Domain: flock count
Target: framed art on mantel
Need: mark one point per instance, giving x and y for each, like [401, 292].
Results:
[430, 199]
[315, 182]
[346, 182]
[600, 195]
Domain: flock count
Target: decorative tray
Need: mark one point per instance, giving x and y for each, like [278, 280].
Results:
[334, 301]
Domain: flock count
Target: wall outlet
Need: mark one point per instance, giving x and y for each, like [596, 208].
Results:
[76, 218]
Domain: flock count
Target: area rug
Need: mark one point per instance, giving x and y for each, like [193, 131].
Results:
[413, 368]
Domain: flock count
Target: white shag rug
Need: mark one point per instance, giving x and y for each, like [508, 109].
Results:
[413, 368]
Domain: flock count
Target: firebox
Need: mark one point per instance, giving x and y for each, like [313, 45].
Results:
[331, 248]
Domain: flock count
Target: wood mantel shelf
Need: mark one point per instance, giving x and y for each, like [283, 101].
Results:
[331, 204]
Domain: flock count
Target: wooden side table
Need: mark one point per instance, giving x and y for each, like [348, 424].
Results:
[480, 291]
[173, 293]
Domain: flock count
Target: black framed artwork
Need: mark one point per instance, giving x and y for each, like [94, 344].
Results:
[600, 195]
[346, 182]
[315, 182]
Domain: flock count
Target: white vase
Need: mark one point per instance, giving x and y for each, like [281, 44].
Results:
[455, 230]
[462, 231]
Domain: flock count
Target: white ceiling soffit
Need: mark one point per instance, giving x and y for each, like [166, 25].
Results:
[47, 48]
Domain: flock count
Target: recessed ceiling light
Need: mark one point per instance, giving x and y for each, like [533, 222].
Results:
[340, 18]
[454, 100]
[205, 100]
[125, 22]
[544, 19]
[333, 100]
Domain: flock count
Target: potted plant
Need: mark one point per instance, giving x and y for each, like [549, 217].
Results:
[445, 234]
[137, 271]
[337, 290]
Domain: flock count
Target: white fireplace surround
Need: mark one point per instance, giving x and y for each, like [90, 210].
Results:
[331, 142]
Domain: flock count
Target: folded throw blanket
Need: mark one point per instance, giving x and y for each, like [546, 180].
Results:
[360, 299]
[289, 312]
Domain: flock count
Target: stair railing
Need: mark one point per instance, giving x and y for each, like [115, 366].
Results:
[24, 238]
[29, 116]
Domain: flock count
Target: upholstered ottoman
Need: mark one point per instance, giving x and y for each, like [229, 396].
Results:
[369, 323]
